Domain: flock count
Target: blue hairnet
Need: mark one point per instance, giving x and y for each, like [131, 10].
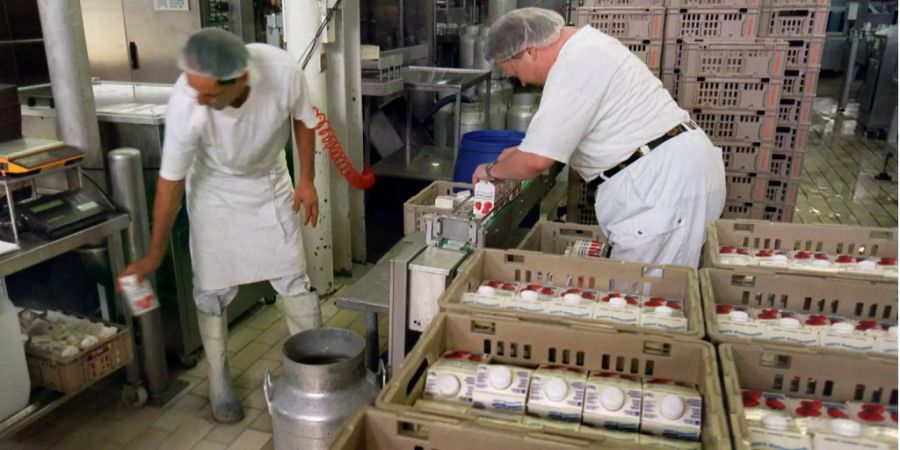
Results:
[214, 53]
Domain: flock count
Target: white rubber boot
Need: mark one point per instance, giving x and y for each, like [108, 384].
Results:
[301, 311]
[224, 403]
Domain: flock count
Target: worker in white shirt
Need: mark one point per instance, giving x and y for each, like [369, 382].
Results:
[658, 178]
[228, 119]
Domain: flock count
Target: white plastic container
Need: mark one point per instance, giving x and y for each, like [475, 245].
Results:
[467, 47]
[16, 385]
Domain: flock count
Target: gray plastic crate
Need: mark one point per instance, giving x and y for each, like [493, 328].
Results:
[726, 93]
[795, 111]
[736, 125]
[804, 53]
[622, 3]
[793, 22]
[744, 156]
[670, 82]
[711, 23]
[713, 3]
[784, 164]
[633, 23]
[800, 83]
[647, 50]
[733, 58]
[775, 212]
[791, 137]
[580, 201]
[761, 187]
[795, 3]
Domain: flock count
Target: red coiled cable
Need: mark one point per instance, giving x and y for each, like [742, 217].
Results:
[342, 163]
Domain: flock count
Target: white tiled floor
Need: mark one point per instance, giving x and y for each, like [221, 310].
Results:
[97, 420]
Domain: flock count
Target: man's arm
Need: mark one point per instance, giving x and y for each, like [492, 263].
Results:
[165, 208]
[514, 164]
[305, 193]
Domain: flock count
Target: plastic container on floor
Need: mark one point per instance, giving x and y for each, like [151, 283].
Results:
[804, 53]
[647, 50]
[16, 386]
[795, 111]
[756, 157]
[623, 3]
[793, 22]
[762, 58]
[800, 83]
[736, 125]
[791, 138]
[480, 147]
[761, 187]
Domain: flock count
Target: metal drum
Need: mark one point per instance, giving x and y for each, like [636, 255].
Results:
[323, 382]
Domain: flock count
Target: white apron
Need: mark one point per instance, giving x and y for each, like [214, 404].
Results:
[243, 229]
[656, 210]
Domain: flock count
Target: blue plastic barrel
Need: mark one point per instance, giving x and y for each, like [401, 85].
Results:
[478, 147]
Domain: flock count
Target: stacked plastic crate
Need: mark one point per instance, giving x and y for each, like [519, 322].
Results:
[638, 24]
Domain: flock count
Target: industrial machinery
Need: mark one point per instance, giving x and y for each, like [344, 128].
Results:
[879, 93]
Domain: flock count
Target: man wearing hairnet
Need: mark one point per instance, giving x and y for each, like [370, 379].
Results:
[228, 119]
[658, 178]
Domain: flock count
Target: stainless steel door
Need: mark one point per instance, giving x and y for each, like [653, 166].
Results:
[153, 39]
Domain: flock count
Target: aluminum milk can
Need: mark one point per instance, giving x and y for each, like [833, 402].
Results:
[323, 382]
[467, 47]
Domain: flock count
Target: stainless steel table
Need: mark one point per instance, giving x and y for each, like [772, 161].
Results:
[371, 293]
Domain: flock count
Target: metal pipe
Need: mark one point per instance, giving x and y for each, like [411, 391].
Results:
[301, 20]
[126, 176]
[850, 72]
[70, 78]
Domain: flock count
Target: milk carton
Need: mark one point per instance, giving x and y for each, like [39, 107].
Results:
[662, 313]
[772, 258]
[140, 295]
[452, 378]
[873, 414]
[485, 296]
[613, 401]
[574, 304]
[587, 249]
[485, 199]
[815, 416]
[769, 401]
[887, 266]
[736, 256]
[445, 202]
[618, 308]
[844, 263]
[845, 435]
[671, 409]
[536, 298]
[648, 441]
[735, 320]
[557, 392]
[501, 390]
[790, 330]
[844, 336]
[776, 431]
[886, 339]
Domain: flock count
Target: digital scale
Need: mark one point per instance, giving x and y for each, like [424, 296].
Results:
[57, 215]
[18, 159]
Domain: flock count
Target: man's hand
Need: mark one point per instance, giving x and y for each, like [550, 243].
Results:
[506, 153]
[480, 174]
[142, 268]
[305, 194]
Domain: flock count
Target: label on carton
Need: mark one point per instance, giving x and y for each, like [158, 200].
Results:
[736, 320]
[140, 296]
[485, 199]
[843, 336]
[671, 409]
[557, 392]
[452, 378]
[736, 256]
[574, 304]
[790, 330]
[667, 314]
[618, 308]
[826, 441]
[500, 389]
[782, 434]
[613, 401]
[535, 298]
[482, 298]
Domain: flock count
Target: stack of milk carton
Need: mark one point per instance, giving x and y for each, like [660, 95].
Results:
[617, 407]
[831, 331]
[615, 307]
[808, 260]
[777, 421]
[584, 248]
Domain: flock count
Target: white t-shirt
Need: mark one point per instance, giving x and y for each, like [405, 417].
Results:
[600, 103]
[238, 141]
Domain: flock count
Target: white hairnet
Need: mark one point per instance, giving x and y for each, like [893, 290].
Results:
[214, 53]
[520, 29]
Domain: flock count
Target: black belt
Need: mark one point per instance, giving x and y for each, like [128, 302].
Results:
[643, 150]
